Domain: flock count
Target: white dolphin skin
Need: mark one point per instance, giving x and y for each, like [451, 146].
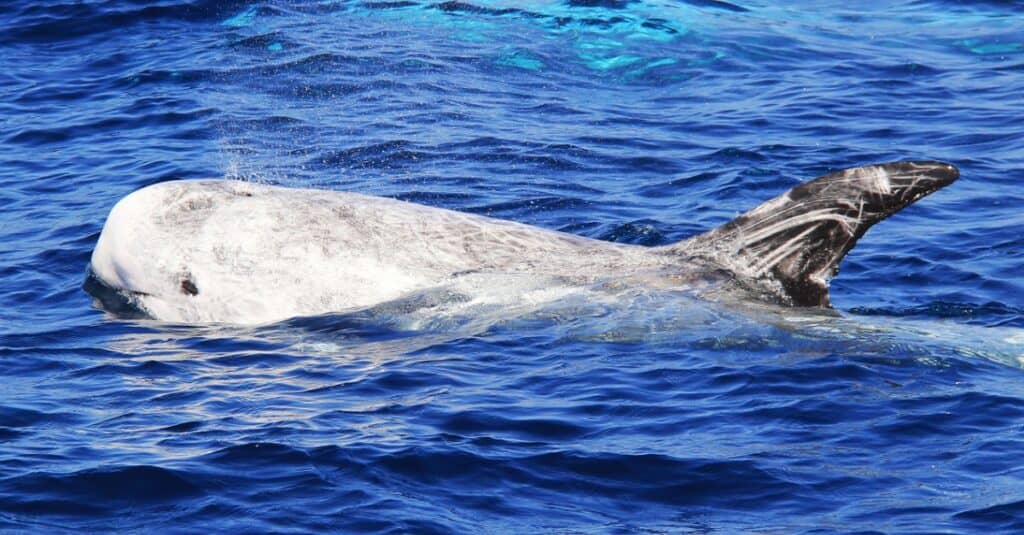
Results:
[229, 251]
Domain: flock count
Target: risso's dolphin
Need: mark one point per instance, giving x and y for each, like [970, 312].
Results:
[238, 252]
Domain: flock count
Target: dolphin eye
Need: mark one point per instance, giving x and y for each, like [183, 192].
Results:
[188, 287]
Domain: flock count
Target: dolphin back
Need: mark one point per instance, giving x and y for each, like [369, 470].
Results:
[797, 240]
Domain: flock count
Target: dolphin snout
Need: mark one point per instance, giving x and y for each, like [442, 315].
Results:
[944, 173]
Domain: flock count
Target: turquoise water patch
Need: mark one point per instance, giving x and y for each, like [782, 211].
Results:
[613, 62]
[275, 47]
[456, 25]
[635, 25]
[469, 30]
[983, 49]
[243, 19]
[663, 62]
[603, 54]
[520, 59]
[605, 36]
[660, 31]
[707, 59]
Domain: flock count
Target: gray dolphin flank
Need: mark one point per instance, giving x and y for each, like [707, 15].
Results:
[228, 251]
[799, 237]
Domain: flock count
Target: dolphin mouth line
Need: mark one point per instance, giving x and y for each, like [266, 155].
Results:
[119, 301]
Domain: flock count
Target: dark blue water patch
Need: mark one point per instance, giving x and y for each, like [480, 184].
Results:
[991, 314]
[105, 490]
[63, 24]
[147, 369]
[636, 232]
[716, 4]
[15, 417]
[1004, 516]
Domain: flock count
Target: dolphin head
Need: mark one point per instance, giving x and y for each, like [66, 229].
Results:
[138, 265]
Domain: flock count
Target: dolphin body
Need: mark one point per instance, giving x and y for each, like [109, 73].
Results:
[226, 251]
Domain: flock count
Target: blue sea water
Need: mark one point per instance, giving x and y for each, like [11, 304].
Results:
[633, 121]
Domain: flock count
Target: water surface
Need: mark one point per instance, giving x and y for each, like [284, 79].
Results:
[639, 122]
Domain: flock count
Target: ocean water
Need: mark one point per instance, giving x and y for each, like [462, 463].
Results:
[632, 121]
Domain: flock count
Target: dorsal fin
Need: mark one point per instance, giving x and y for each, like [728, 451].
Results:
[799, 237]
